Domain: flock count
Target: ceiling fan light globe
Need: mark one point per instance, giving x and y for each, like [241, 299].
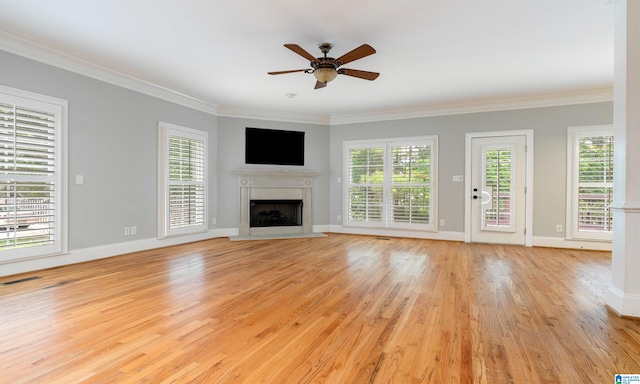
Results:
[325, 75]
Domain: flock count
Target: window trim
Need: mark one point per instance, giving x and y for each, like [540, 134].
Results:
[387, 144]
[60, 108]
[573, 136]
[164, 131]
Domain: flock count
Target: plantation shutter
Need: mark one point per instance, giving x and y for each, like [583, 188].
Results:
[186, 182]
[390, 183]
[595, 183]
[498, 178]
[28, 178]
[183, 180]
[365, 191]
[411, 184]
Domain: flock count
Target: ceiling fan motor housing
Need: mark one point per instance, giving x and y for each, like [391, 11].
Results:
[325, 67]
[325, 74]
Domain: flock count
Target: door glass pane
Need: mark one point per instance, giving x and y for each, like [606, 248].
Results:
[497, 191]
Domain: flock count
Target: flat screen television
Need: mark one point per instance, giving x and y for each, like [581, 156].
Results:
[273, 146]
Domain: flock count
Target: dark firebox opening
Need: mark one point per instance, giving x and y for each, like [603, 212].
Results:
[275, 213]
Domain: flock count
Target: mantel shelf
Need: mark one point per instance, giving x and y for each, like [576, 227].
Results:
[274, 172]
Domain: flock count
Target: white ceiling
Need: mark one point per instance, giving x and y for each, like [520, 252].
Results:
[429, 52]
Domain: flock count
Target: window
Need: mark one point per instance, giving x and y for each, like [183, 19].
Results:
[32, 134]
[390, 183]
[183, 178]
[591, 182]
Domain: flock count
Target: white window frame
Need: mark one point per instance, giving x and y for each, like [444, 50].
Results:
[387, 185]
[165, 130]
[573, 139]
[59, 108]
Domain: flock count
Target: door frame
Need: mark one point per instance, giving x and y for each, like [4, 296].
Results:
[528, 133]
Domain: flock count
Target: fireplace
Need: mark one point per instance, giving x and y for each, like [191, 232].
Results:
[275, 213]
[275, 202]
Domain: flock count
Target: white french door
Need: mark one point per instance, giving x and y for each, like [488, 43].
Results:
[496, 196]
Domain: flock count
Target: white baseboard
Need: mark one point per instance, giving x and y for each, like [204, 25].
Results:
[100, 252]
[558, 242]
[552, 242]
[623, 305]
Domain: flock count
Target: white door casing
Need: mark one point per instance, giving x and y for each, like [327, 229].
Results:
[498, 207]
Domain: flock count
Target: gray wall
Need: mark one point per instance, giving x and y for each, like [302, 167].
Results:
[550, 147]
[113, 141]
[113, 144]
[231, 156]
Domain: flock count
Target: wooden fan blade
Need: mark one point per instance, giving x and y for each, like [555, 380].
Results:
[362, 51]
[300, 51]
[360, 74]
[320, 84]
[289, 71]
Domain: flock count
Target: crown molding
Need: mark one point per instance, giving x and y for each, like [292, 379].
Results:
[476, 106]
[39, 51]
[36, 50]
[274, 115]
[489, 105]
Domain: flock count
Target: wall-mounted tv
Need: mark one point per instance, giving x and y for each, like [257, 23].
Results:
[273, 146]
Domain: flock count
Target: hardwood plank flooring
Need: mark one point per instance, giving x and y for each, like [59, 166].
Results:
[339, 309]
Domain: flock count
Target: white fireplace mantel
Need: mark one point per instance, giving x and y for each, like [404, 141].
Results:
[257, 184]
[275, 177]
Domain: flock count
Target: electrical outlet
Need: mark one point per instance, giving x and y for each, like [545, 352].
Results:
[213, 221]
[134, 230]
[559, 228]
[127, 231]
[339, 217]
[442, 222]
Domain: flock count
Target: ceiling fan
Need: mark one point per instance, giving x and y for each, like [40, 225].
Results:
[326, 69]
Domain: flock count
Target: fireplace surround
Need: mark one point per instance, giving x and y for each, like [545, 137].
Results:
[271, 186]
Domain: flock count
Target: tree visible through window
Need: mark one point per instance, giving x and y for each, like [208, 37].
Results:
[366, 176]
[591, 162]
[411, 184]
[497, 179]
[595, 183]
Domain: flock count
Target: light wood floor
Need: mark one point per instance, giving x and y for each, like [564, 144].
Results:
[340, 309]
